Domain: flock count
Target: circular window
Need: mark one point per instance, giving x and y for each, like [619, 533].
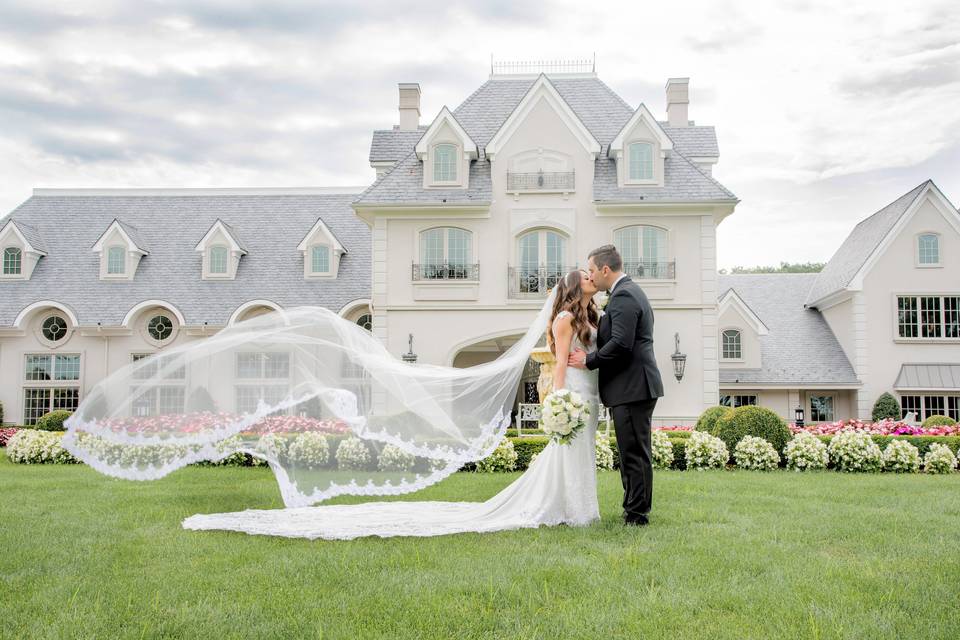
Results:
[366, 321]
[160, 328]
[54, 328]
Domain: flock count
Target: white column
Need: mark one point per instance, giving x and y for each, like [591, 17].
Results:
[708, 292]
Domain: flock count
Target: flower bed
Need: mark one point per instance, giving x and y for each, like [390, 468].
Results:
[6, 434]
[881, 428]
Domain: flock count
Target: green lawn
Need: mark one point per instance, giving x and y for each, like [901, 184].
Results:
[729, 554]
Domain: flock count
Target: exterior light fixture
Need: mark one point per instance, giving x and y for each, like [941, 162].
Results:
[798, 416]
[409, 356]
[679, 359]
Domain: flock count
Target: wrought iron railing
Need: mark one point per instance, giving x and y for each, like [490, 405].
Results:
[650, 269]
[528, 282]
[540, 181]
[432, 272]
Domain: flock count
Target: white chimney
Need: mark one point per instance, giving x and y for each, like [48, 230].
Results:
[409, 106]
[678, 97]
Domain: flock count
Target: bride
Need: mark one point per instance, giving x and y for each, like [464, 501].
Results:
[419, 418]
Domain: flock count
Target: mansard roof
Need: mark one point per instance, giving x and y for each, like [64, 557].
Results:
[601, 111]
[170, 221]
[799, 348]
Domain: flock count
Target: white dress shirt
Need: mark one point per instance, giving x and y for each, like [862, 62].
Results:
[622, 276]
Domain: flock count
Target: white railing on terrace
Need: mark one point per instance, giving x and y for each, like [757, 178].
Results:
[526, 67]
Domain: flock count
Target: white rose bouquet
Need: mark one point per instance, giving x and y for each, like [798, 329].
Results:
[563, 415]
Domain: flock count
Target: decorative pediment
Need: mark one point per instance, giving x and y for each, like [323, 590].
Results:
[321, 252]
[21, 247]
[542, 89]
[446, 122]
[640, 117]
[120, 248]
[226, 232]
[732, 299]
[222, 250]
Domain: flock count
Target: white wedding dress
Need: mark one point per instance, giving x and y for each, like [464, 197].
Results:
[559, 487]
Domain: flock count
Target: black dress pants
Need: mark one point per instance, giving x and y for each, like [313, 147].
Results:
[631, 421]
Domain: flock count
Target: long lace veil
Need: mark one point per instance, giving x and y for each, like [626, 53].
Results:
[315, 396]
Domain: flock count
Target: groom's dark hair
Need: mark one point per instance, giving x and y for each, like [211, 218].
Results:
[607, 256]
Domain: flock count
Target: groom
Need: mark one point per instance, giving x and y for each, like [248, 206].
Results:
[629, 378]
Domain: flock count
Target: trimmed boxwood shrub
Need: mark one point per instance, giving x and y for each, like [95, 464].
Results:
[708, 419]
[939, 421]
[752, 421]
[886, 407]
[526, 447]
[53, 421]
[1, 414]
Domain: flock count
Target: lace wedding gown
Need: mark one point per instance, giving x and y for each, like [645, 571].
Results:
[559, 487]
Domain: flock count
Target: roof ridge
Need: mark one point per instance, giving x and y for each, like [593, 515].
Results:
[617, 96]
[894, 201]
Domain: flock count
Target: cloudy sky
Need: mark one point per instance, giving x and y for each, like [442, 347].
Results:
[824, 112]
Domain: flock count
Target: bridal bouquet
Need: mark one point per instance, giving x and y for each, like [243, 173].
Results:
[563, 415]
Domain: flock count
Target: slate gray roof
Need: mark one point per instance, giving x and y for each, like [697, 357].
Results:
[601, 110]
[133, 233]
[931, 376]
[389, 145]
[171, 225]
[30, 232]
[800, 347]
[859, 245]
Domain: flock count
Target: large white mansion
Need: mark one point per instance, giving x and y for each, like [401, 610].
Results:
[470, 221]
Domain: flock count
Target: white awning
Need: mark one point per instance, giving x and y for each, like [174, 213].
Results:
[928, 377]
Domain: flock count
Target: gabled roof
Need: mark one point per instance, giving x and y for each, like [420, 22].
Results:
[389, 145]
[800, 347]
[130, 234]
[683, 181]
[642, 114]
[28, 233]
[542, 87]
[855, 254]
[732, 298]
[445, 118]
[321, 228]
[227, 230]
[270, 223]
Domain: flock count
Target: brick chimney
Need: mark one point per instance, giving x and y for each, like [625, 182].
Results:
[678, 98]
[409, 106]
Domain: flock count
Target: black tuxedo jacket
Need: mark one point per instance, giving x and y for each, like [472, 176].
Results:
[624, 355]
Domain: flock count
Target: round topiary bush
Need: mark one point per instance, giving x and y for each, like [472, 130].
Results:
[53, 421]
[756, 454]
[855, 451]
[662, 449]
[939, 421]
[709, 418]
[886, 408]
[752, 421]
[901, 457]
[805, 452]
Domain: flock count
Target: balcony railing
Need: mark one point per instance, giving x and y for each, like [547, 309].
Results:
[540, 181]
[434, 272]
[650, 269]
[527, 282]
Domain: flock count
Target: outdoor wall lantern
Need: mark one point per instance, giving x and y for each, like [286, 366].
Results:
[679, 359]
[798, 416]
[410, 356]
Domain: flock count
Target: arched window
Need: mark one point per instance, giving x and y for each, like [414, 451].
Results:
[366, 321]
[218, 259]
[641, 161]
[644, 251]
[928, 248]
[116, 260]
[320, 259]
[445, 163]
[446, 253]
[12, 261]
[731, 345]
[542, 260]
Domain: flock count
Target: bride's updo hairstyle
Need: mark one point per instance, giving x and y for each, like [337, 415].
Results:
[569, 296]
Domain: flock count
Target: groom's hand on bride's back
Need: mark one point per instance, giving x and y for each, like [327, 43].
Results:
[577, 359]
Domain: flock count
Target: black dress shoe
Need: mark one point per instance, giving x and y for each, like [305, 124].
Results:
[636, 521]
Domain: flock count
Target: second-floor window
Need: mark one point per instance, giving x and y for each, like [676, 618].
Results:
[641, 161]
[116, 260]
[12, 261]
[731, 345]
[320, 259]
[928, 249]
[445, 254]
[445, 163]
[643, 250]
[928, 316]
[218, 259]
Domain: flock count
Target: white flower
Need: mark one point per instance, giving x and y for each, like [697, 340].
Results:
[704, 451]
[756, 453]
[939, 459]
[854, 451]
[662, 449]
[901, 457]
[806, 451]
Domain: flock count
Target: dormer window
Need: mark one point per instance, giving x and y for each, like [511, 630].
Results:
[928, 250]
[731, 346]
[445, 163]
[320, 259]
[321, 252]
[641, 161]
[222, 250]
[219, 255]
[12, 261]
[116, 259]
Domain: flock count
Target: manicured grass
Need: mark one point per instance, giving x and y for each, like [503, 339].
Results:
[729, 554]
